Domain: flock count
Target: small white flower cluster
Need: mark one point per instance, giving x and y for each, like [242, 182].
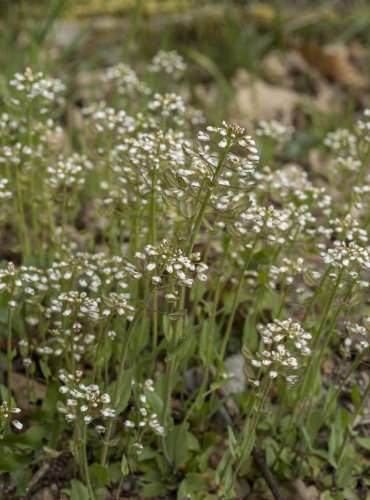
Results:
[167, 262]
[9, 126]
[291, 183]
[36, 86]
[287, 270]
[345, 165]
[169, 105]
[275, 130]
[118, 303]
[348, 228]
[229, 135]
[276, 223]
[341, 141]
[145, 419]
[5, 194]
[102, 118]
[169, 62]
[126, 80]
[76, 304]
[358, 336]
[84, 403]
[68, 171]
[62, 338]
[91, 271]
[5, 414]
[350, 256]
[363, 125]
[285, 340]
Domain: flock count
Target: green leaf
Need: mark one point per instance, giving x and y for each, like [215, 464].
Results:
[175, 316]
[170, 178]
[153, 490]
[50, 402]
[126, 391]
[52, 453]
[11, 461]
[79, 491]
[232, 442]
[332, 447]
[192, 442]
[187, 208]
[181, 182]
[203, 346]
[45, 370]
[191, 484]
[32, 438]
[314, 422]
[155, 401]
[124, 466]
[100, 473]
[177, 444]
[363, 442]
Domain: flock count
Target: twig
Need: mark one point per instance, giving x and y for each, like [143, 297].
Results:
[39, 474]
[267, 474]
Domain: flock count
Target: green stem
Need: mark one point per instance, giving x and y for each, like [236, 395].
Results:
[211, 331]
[9, 357]
[118, 388]
[64, 214]
[235, 302]
[354, 417]
[86, 464]
[195, 227]
[318, 335]
[22, 217]
[362, 355]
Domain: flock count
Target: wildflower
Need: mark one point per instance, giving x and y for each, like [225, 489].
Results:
[347, 256]
[169, 62]
[283, 339]
[275, 130]
[125, 80]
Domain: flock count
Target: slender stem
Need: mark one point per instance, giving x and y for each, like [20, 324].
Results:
[86, 464]
[118, 388]
[152, 241]
[235, 302]
[9, 358]
[325, 343]
[325, 312]
[354, 417]
[154, 327]
[100, 341]
[346, 377]
[246, 442]
[211, 332]
[317, 337]
[246, 436]
[303, 385]
[34, 218]
[194, 230]
[27, 248]
[64, 213]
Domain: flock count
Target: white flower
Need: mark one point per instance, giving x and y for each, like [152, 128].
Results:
[17, 424]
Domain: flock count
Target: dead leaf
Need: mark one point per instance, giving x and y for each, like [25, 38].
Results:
[22, 386]
[257, 100]
[327, 367]
[275, 70]
[304, 492]
[333, 62]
